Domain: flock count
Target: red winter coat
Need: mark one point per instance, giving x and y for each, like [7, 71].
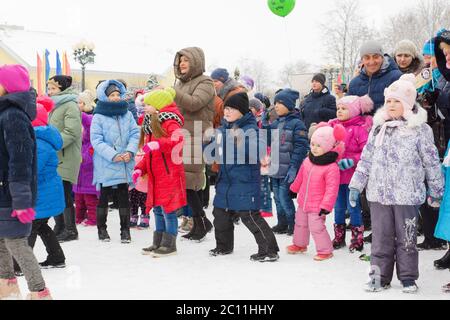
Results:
[166, 179]
[357, 129]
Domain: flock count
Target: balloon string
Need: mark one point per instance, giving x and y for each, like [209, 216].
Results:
[286, 32]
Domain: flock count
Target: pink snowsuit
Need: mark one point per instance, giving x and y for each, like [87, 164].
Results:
[317, 188]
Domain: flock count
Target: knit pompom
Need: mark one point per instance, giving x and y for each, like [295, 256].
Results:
[339, 133]
[366, 104]
[409, 77]
[46, 102]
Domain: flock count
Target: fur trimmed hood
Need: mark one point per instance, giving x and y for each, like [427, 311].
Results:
[419, 116]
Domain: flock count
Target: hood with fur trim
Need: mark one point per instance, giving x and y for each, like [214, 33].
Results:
[101, 90]
[196, 58]
[418, 117]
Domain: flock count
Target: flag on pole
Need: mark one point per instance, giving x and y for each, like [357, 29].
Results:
[39, 75]
[58, 64]
[66, 65]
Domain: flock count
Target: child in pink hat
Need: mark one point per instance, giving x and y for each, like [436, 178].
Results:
[350, 114]
[317, 186]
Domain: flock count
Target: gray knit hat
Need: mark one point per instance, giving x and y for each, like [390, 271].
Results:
[256, 104]
[406, 47]
[371, 47]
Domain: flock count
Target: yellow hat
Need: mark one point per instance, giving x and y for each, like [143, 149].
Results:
[160, 98]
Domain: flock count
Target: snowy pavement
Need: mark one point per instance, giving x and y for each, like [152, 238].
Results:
[113, 270]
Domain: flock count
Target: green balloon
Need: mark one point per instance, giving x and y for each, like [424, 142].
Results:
[281, 7]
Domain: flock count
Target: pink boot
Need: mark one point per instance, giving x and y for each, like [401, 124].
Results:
[41, 295]
[9, 289]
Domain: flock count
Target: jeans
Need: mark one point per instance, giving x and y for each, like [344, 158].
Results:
[284, 203]
[266, 199]
[165, 222]
[343, 204]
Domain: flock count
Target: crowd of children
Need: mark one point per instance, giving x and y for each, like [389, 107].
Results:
[51, 149]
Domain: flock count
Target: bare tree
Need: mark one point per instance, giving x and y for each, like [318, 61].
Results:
[258, 71]
[344, 37]
[418, 23]
[291, 69]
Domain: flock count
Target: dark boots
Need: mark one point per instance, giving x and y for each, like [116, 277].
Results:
[70, 232]
[59, 225]
[157, 238]
[203, 227]
[282, 226]
[102, 214]
[124, 214]
[168, 246]
[339, 236]
[357, 242]
[444, 262]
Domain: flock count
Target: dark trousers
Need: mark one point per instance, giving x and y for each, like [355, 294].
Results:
[224, 230]
[137, 200]
[195, 202]
[40, 228]
[430, 218]
[121, 191]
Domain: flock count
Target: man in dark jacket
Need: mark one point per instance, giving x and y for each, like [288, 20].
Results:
[319, 105]
[18, 180]
[379, 72]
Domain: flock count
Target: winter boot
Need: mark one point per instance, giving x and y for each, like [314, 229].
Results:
[368, 239]
[50, 265]
[9, 290]
[432, 244]
[145, 221]
[157, 238]
[323, 257]
[219, 252]
[290, 230]
[59, 225]
[409, 287]
[189, 235]
[339, 236]
[357, 242]
[374, 285]
[102, 214]
[41, 295]
[444, 262]
[168, 246]
[186, 225]
[265, 257]
[293, 249]
[204, 226]
[134, 221]
[70, 232]
[281, 227]
[124, 214]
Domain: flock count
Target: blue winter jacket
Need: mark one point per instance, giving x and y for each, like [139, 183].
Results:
[442, 230]
[111, 136]
[292, 144]
[50, 196]
[17, 161]
[318, 107]
[238, 183]
[375, 85]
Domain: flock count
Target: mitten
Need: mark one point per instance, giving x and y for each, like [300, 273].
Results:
[25, 216]
[346, 164]
[136, 175]
[151, 146]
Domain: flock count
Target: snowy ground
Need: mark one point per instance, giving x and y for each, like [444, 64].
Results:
[113, 270]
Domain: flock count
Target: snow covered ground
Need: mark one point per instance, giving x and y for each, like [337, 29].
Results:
[113, 270]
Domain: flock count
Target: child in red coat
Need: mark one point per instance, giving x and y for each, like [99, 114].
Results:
[163, 164]
[317, 186]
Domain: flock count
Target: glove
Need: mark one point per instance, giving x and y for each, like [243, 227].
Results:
[136, 175]
[25, 216]
[346, 164]
[151, 146]
[290, 176]
[324, 212]
[353, 197]
[430, 97]
[433, 202]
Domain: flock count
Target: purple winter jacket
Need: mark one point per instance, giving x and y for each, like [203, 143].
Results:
[84, 185]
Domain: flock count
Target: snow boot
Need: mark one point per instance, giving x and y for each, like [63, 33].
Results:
[102, 214]
[134, 221]
[323, 257]
[9, 289]
[282, 226]
[375, 286]
[204, 226]
[124, 214]
[168, 246]
[50, 265]
[357, 242]
[41, 295]
[339, 236]
[157, 238]
[59, 224]
[70, 232]
[444, 262]
[293, 249]
[290, 230]
[428, 244]
[186, 225]
[409, 287]
[265, 257]
[145, 221]
[219, 252]
[368, 239]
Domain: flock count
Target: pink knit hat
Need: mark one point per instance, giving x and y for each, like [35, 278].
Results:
[328, 138]
[357, 105]
[14, 78]
[403, 90]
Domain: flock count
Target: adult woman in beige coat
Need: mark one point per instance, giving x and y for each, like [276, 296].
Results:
[195, 98]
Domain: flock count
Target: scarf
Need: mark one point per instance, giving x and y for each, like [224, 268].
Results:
[162, 117]
[324, 160]
[389, 124]
[111, 109]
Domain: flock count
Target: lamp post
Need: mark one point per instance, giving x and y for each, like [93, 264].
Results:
[83, 53]
[332, 72]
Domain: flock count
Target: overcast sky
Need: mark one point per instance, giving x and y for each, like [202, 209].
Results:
[228, 30]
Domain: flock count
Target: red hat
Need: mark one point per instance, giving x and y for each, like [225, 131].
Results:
[43, 107]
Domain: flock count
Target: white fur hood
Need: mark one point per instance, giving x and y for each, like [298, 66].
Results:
[415, 120]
